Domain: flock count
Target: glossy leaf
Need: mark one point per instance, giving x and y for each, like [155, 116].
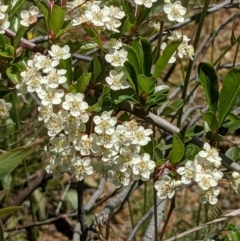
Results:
[164, 58]
[229, 94]
[157, 152]
[146, 84]
[211, 119]
[57, 19]
[67, 65]
[93, 33]
[6, 211]
[2, 42]
[13, 72]
[147, 58]
[209, 82]
[95, 68]
[233, 153]
[129, 23]
[178, 150]
[233, 126]
[15, 5]
[131, 75]
[10, 160]
[44, 9]
[137, 46]
[133, 59]
[83, 82]
[174, 106]
[21, 31]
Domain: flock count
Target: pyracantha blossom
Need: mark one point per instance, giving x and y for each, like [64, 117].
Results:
[119, 178]
[59, 143]
[117, 80]
[4, 109]
[235, 182]
[209, 195]
[142, 167]
[4, 24]
[29, 17]
[54, 125]
[205, 180]
[165, 187]
[105, 140]
[146, 3]
[3, 9]
[113, 44]
[69, 121]
[55, 77]
[58, 53]
[116, 58]
[44, 112]
[188, 171]
[104, 123]
[82, 167]
[124, 160]
[123, 137]
[50, 96]
[66, 158]
[44, 63]
[75, 104]
[34, 84]
[54, 168]
[175, 11]
[141, 136]
[115, 12]
[113, 24]
[209, 153]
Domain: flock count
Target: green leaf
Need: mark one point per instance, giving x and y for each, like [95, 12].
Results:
[44, 9]
[127, 7]
[174, 106]
[6, 211]
[131, 75]
[92, 33]
[148, 58]
[232, 126]
[10, 160]
[57, 19]
[15, 5]
[95, 68]
[209, 82]
[229, 94]
[146, 84]
[119, 96]
[13, 72]
[2, 42]
[178, 150]
[137, 46]
[235, 235]
[157, 152]
[133, 59]
[233, 153]
[129, 23]
[83, 82]
[211, 119]
[77, 73]
[164, 58]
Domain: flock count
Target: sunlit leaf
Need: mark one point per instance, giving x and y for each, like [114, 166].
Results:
[6, 211]
[178, 150]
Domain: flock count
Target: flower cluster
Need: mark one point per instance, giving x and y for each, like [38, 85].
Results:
[4, 23]
[107, 17]
[146, 3]
[235, 181]
[184, 49]
[29, 17]
[4, 109]
[204, 170]
[116, 57]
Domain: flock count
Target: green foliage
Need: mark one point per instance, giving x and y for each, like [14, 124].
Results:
[233, 153]
[178, 150]
[209, 81]
[6, 211]
[10, 160]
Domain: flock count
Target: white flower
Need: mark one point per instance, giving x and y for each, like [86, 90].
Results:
[235, 182]
[97, 16]
[146, 3]
[3, 9]
[165, 187]
[172, 59]
[59, 143]
[119, 178]
[113, 24]
[66, 158]
[141, 136]
[210, 153]
[34, 84]
[54, 125]
[29, 17]
[205, 180]
[4, 109]
[123, 137]
[113, 44]
[188, 171]
[142, 167]
[209, 195]
[82, 167]
[124, 160]
[54, 168]
[50, 96]
[58, 53]
[117, 80]
[44, 112]
[74, 134]
[175, 11]
[69, 121]
[4, 24]
[44, 63]
[115, 12]
[106, 140]
[75, 104]
[116, 58]
[55, 77]
[104, 123]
